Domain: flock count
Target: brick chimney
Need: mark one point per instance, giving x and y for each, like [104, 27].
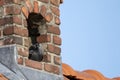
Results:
[14, 30]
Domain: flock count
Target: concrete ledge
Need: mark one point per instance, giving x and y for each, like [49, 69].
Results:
[13, 71]
[33, 74]
[8, 59]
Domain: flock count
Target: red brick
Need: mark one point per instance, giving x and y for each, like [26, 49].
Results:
[2, 22]
[54, 30]
[25, 32]
[57, 40]
[13, 40]
[45, 1]
[17, 1]
[47, 58]
[57, 50]
[54, 49]
[20, 60]
[43, 10]
[8, 41]
[51, 68]
[15, 30]
[25, 11]
[55, 10]
[57, 21]
[33, 64]
[12, 9]
[36, 7]
[49, 17]
[44, 38]
[8, 20]
[29, 5]
[57, 60]
[17, 9]
[8, 1]
[2, 2]
[23, 52]
[17, 20]
[9, 10]
[51, 48]
[8, 30]
[1, 43]
[21, 32]
[55, 2]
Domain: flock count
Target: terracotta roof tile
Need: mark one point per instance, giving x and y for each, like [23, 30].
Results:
[84, 76]
[96, 74]
[67, 70]
[3, 77]
[70, 74]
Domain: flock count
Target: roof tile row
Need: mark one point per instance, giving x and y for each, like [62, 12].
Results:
[70, 74]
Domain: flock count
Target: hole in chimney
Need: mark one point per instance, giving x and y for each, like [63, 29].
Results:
[34, 21]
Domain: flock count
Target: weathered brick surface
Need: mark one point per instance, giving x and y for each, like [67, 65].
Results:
[36, 7]
[20, 31]
[43, 38]
[2, 22]
[55, 2]
[18, 40]
[2, 2]
[47, 58]
[9, 1]
[54, 30]
[12, 9]
[14, 25]
[23, 52]
[17, 1]
[1, 43]
[49, 17]
[57, 40]
[55, 10]
[51, 48]
[17, 20]
[43, 10]
[8, 30]
[15, 30]
[6, 20]
[57, 50]
[52, 68]
[13, 40]
[57, 60]
[54, 49]
[33, 64]
[57, 21]
[20, 60]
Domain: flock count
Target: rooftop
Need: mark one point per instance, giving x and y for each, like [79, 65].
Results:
[70, 74]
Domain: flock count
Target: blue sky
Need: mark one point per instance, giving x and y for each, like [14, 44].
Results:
[90, 32]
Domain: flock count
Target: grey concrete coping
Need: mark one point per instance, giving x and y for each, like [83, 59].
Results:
[13, 71]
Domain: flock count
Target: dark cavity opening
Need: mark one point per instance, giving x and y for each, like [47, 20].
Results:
[34, 21]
